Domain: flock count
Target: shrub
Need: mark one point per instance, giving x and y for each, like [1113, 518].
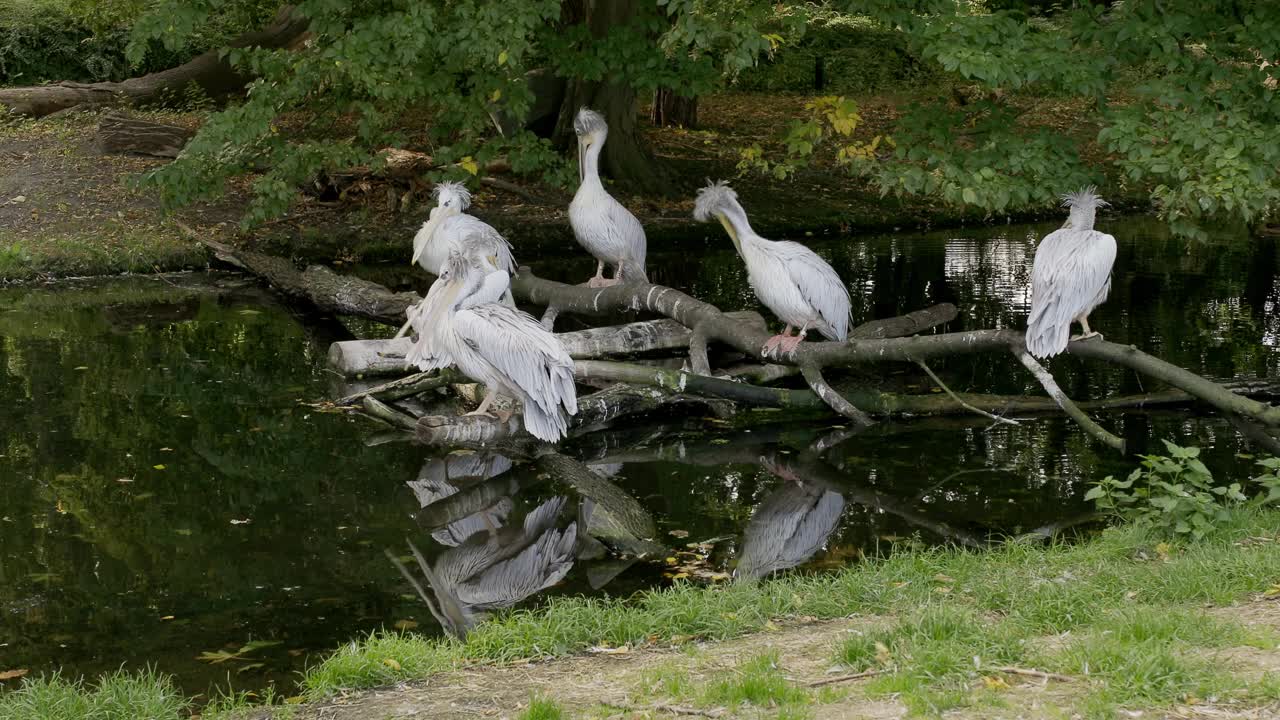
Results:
[858, 56]
[1175, 494]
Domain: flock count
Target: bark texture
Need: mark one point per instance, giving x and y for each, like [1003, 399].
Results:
[626, 157]
[122, 135]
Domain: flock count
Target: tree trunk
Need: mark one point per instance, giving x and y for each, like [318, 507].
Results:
[670, 109]
[626, 157]
[212, 73]
[121, 135]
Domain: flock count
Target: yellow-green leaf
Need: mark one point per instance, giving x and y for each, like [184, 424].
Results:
[502, 58]
[469, 164]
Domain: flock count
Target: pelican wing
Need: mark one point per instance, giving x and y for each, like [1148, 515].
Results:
[1071, 276]
[819, 285]
[428, 352]
[530, 358]
[466, 232]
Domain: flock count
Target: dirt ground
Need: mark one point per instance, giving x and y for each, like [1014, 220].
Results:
[612, 684]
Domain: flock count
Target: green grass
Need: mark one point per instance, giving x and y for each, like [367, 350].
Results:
[1033, 590]
[756, 681]
[542, 709]
[113, 248]
[1134, 615]
[143, 695]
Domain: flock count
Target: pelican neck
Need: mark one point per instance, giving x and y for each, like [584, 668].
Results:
[591, 164]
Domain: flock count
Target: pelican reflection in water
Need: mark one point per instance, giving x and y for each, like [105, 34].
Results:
[495, 568]
[790, 526]
[443, 477]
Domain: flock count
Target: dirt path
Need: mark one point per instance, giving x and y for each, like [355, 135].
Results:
[635, 684]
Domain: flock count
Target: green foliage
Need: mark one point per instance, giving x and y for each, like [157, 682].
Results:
[144, 695]
[1175, 494]
[1184, 95]
[832, 121]
[858, 56]
[1269, 480]
[92, 40]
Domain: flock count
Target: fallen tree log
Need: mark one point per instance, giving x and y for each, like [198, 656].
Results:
[211, 71]
[122, 135]
[709, 324]
[386, 356]
[595, 411]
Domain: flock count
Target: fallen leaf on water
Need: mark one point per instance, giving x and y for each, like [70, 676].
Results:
[245, 521]
[13, 674]
[124, 480]
[250, 312]
[679, 533]
[217, 656]
[166, 449]
[167, 617]
[158, 467]
[405, 625]
[258, 645]
[250, 666]
[81, 367]
[392, 664]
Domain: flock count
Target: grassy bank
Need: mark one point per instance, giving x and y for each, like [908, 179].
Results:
[1134, 622]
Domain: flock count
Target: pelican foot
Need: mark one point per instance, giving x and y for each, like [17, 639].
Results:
[1086, 336]
[790, 344]
[503, 415]
[601, 282]
[772, 344]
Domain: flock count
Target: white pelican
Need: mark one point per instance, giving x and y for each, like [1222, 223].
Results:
[500, 346]
[602, 225]
[448, 230]
[1071, 276]
[789, 278]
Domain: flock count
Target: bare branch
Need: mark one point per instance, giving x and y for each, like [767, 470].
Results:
[813, 375]
[698, 362]
[1051, 386]
[924, 366]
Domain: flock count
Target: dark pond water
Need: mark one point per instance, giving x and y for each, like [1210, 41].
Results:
[164, 493]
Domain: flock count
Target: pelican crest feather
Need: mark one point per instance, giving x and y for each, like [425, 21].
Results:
[1084, 198]
[453, 191]
[714, 196]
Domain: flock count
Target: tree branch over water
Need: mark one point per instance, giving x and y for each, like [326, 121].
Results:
[874, 343]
